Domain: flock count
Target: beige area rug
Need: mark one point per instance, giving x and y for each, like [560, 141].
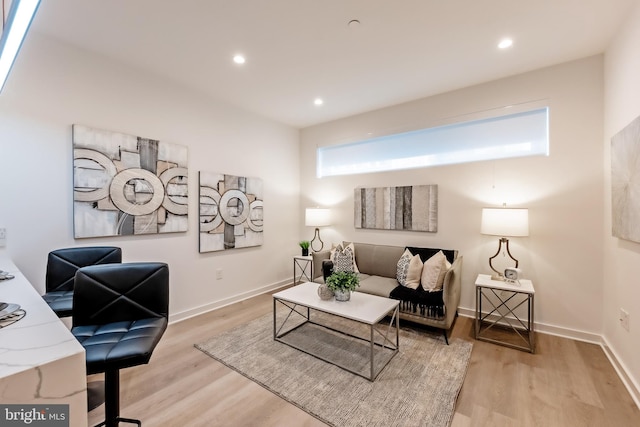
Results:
[418, 387]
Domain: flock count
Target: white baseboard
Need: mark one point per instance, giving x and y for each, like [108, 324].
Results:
[621, 369]
[543, 328]
[574, 334]
[184, 315]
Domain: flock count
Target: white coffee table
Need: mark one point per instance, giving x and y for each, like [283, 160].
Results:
[363, 308]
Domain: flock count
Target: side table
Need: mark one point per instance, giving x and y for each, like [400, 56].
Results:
[502, 299]
[301, 264]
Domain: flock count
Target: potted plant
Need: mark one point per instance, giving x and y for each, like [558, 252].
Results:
[342, 283]
[304, 244]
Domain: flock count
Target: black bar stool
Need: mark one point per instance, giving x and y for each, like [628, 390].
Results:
[120, 312]
[62, 265]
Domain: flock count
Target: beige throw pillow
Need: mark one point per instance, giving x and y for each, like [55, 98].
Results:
[433, 272]
[414, 272]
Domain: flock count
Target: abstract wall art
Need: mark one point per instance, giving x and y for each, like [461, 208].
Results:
[411, 208]
[127, 185]
[231, 212]
[625, 182]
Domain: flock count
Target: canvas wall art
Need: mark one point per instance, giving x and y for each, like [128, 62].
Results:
[127, 185]
[231, 212]
[625, 182]
[411, 208]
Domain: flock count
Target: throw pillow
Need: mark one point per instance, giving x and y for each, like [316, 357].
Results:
[346, 248]
[433, 272]
[342, 259]
[402, 267]
[414, 273]
[351, 248]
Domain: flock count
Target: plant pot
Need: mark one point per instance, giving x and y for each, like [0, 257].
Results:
[342, 295]
[305, 252]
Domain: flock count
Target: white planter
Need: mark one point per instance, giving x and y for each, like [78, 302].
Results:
[342, 295]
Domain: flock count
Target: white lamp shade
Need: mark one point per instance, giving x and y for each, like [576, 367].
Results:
[317, 217]
[505, 222]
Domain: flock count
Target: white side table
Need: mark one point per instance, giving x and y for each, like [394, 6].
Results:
[502, 299]
[301, 264]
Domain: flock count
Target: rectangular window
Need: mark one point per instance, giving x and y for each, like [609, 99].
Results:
[515, 135]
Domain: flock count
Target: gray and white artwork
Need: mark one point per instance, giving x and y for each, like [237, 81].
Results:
[411, 208]
[625, 182]
[231, 212]
[127, 185]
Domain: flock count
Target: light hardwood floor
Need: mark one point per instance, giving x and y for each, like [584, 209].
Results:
[566, 383]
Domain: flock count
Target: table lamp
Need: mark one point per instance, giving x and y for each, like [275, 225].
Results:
[317, 217]
[504, 222]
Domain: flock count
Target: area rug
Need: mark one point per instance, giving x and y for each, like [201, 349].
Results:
[418, 387]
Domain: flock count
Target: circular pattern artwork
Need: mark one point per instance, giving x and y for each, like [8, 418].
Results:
[125, 184]
[231, 212]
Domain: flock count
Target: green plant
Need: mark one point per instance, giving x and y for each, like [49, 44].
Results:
[343, 281]
[304, 244]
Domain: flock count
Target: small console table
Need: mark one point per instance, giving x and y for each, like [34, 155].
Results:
[301, 264]
[502, 299]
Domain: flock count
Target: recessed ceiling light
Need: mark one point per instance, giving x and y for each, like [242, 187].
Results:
[505, 43]
[318, 101]
[239, 59]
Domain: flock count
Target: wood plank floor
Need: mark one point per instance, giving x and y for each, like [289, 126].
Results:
[566, 383]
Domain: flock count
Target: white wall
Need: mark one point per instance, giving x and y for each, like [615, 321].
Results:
[622, 258]
[53, 86]
[563, 255]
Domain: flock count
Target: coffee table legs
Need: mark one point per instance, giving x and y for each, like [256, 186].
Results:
[386, 342]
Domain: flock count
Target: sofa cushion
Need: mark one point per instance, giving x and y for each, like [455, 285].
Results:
[378, 260]
[377, 285]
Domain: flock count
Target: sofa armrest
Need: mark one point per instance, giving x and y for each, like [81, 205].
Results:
[451, 290]
[318, 257]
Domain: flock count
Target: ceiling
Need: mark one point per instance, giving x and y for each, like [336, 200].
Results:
[298, 50]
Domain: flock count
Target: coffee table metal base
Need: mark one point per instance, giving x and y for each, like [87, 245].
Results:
[305, 312]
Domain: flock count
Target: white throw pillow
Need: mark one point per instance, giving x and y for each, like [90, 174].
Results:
[433, 272]
[414, 272]
[352, 249]
[342, 259]
[403, 267]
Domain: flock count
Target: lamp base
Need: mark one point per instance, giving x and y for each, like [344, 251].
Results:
[499, 276]
[313, 241]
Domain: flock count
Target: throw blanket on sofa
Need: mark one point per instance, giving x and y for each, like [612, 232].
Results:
[419, 302]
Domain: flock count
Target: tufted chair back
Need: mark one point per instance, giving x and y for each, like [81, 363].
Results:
[62, 264]
[121, 292]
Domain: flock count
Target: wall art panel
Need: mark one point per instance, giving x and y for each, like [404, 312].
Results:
[127, 185]
[412, 208]
[625, 182]
[231, 212]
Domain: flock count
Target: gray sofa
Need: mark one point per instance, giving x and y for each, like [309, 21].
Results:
[378, 268]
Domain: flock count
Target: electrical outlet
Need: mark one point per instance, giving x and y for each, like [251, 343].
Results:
[624, 319]
[219, 274]
[3, 237]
